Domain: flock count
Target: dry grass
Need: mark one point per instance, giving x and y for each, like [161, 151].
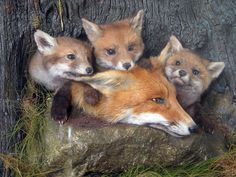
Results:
[227, 164]
[29, 153]
[223, 166]
[60, 12]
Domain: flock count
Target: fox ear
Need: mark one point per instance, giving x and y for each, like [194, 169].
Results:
[215, 69]
[92, 30]
[44, 41]
[137, 22]
[165, 53]
[176, 46]
[162, 58]
[107, 81]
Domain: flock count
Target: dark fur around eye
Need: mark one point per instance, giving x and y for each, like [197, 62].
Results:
[177, 63]
[71, 56]
[195, 71]
[159, 100]
[131, 47]
[110, 51]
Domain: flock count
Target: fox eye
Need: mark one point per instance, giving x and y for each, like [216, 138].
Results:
[130, 47]
[71, 56]
[110, 51]
[177, 63]
[195, 72]
[159, 100]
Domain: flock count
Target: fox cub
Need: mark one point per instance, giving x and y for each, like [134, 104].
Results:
[57, 57]
[190, 73]
[117, 45]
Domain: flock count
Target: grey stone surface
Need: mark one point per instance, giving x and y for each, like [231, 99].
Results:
[112, 148]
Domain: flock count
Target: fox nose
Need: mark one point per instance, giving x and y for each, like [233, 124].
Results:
[89, 70]
[126, 65]
[193, 129]
[182, 73]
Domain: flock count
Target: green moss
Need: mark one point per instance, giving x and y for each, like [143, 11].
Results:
[29, 151]
[220, 166]
[32, 124]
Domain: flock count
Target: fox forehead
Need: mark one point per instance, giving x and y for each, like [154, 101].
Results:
[135, 92]
[68, 45]
[154, 87]
[188, 58]
[117, 35]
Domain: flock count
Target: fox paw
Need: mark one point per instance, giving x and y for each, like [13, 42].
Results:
[59, 115]
[208, 127]
[92, 96]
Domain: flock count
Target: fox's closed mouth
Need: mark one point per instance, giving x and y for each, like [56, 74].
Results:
[73, 74]
[165, 129]
[178, 80]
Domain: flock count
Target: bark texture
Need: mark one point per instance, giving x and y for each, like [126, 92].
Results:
[207, 26]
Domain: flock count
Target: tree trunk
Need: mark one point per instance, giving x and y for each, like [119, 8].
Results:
[207, 26]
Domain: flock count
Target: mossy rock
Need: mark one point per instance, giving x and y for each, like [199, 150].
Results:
[81, 149]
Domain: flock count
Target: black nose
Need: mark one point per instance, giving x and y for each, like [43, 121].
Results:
[126, 66]
[193, 129]
[89, 70]
[182, 73]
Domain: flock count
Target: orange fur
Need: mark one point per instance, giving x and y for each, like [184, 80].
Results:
[129, 97]
[119, 36]
[50, 63]
[190, 73]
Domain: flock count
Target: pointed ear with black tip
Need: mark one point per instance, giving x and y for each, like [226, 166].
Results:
[215, 69]
[137, 22]
[45, 42]
[92, 30]
[175, 44]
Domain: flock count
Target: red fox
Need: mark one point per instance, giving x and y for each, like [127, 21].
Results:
[117, 45]
[57, 57]
[190, 73]
[135, 96]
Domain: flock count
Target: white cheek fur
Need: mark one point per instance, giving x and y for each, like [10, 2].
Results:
[49, 80]
[105, 63]
[156, 120]
[168, 71]
[145, 118]
[120, 65]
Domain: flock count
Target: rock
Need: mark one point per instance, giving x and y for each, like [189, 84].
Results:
[221, 109]
[109, 148]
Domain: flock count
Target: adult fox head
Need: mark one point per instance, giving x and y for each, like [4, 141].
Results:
[136, 96]
[190, 73]
[117, 45]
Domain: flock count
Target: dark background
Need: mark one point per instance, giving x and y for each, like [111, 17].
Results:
[207, 26]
